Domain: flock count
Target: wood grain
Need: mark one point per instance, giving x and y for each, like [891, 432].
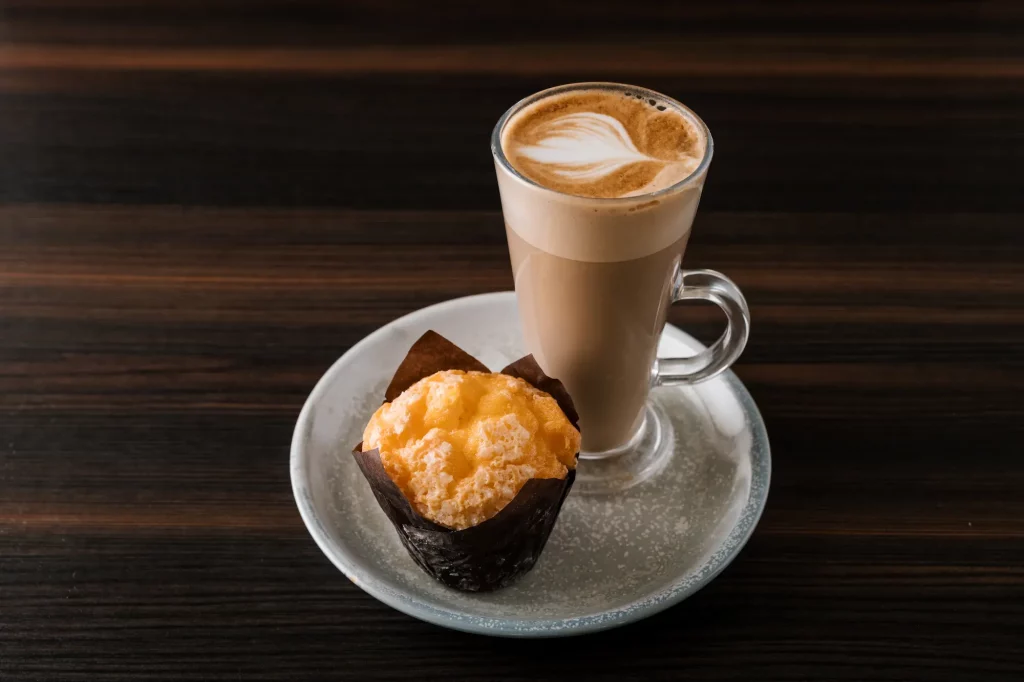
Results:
[199, 214]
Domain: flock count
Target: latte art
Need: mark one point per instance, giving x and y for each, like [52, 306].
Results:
[602, 144]
[584, 146]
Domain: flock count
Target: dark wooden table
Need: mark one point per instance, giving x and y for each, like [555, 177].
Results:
[204, 203]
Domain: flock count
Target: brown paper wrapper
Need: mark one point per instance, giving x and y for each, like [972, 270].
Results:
[496, 552]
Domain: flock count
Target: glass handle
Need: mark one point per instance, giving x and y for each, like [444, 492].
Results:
[706, 285]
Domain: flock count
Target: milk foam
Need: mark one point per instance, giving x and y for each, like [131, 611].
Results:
[602, 144]
[590, 144]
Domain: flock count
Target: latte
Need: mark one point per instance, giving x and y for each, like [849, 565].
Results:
[593, 249]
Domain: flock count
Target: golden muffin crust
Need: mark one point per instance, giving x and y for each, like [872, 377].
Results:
[460, 445]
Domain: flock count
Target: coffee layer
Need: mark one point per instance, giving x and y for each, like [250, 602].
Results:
[602, 143]
[597, 326]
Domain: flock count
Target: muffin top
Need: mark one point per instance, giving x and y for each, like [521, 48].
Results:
[460, 445]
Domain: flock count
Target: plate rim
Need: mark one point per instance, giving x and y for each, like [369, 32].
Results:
[410, 604]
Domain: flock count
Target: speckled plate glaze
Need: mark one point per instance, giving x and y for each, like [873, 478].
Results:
[609, 561]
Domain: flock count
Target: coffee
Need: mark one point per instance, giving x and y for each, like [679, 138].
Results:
[597, 215]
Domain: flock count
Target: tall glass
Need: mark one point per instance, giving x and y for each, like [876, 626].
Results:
[594, 278]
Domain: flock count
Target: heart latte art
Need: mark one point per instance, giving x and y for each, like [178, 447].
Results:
[602, 144]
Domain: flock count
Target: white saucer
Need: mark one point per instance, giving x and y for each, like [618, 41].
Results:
[609, 561]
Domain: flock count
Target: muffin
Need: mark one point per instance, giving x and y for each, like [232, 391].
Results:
[471, 466]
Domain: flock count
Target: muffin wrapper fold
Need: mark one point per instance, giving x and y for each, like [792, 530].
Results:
[498, 551]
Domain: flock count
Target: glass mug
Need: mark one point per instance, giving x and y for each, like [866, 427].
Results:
[594, 278]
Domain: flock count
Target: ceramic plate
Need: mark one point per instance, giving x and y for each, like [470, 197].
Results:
[609, 560]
